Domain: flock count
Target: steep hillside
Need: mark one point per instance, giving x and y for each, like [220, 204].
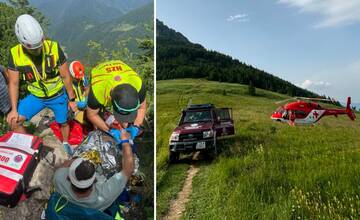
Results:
[166, 36]
[179, 58]
[270, 170]
[57, 11]
[68, 12]
[123, 6]
[75, 22]
[128, 28]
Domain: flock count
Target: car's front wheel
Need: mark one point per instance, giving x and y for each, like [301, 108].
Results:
[174, 157]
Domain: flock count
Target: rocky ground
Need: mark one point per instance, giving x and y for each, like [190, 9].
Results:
[54, 155]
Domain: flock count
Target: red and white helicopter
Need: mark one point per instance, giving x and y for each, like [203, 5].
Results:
[306, 112]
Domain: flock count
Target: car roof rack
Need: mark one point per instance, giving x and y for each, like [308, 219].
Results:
[201, 106]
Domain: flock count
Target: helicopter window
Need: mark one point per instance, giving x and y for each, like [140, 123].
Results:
[300, 113]
[280, 110]
[285, 114]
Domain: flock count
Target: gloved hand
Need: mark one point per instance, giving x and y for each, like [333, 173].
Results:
[133, 130]
[81, 104]
[116, 134]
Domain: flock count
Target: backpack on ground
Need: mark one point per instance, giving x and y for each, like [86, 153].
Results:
[19, 156]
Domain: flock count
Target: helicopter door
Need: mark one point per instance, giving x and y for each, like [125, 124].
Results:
[224, 123]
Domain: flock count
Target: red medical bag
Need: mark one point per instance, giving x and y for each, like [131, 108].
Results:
[19, 156]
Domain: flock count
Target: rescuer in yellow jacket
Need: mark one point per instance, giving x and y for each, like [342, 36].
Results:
[116, 86]
[81, 88]
[41, 64]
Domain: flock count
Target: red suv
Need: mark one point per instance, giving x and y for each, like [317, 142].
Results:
[199, 129]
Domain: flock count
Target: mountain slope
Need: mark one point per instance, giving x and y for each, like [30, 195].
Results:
[99, 10]
[72, 13]
[134, 25]
[127, 5]
[123, 6]
[269, 170]
[177, 57]
[75, 22]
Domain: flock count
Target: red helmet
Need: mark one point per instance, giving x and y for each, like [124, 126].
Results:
[77, 70]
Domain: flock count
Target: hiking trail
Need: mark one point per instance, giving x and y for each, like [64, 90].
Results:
[177, 206]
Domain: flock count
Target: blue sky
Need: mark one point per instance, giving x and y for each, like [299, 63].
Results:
[312, 43]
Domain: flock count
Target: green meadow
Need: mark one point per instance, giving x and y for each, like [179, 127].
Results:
[269, 170]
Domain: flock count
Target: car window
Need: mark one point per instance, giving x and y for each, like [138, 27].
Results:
[224, 114]
[197, 116]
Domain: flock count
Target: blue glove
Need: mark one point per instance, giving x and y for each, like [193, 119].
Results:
[133, 130]
[81, 104]
[116, 134]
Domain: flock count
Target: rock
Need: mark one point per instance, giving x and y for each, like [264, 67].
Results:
[56, 146]
[42, 178]
[45, 133]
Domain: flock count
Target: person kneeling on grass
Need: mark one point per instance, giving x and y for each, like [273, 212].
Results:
[79, 194]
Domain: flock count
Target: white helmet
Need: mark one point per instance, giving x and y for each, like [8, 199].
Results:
[29, 32]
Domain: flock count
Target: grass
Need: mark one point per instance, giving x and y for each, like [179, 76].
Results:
[170, 185]
[270, 170]
[146, 154]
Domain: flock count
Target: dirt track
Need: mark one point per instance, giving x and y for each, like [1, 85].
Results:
[177, 206]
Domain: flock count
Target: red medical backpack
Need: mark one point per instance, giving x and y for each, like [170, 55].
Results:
[19, 156]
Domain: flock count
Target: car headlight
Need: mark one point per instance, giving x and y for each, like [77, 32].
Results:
[207, 134]
[174, 136]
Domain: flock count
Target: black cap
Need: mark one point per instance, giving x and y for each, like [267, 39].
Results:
[125, 100]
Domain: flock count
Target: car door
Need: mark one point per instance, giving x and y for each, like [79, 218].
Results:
[224, 123]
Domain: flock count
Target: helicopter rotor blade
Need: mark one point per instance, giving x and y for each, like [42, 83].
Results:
[305, 98]
[317, 99]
